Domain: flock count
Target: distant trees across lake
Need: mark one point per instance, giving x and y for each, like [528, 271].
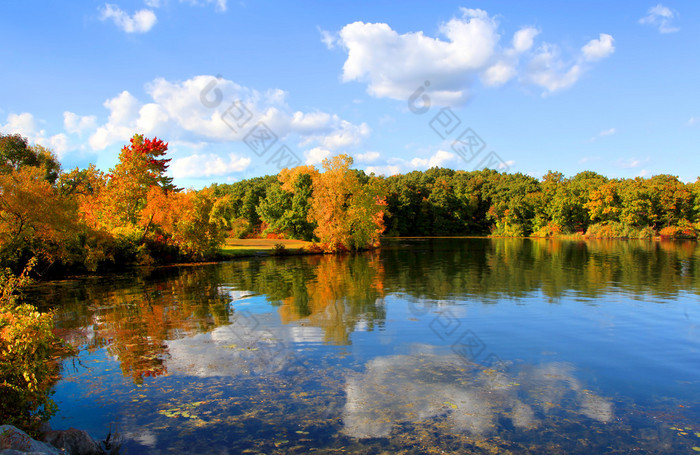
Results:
[443, 202]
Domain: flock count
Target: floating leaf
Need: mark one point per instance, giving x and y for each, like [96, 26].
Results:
[697, 449]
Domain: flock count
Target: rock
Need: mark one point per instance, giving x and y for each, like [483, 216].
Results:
[14, 441]
[75, 442]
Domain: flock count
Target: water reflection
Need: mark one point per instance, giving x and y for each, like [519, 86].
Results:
[399, 389]
[334, 293]
[338, 295]
[252, 354]
[488, 269]
[251, 344]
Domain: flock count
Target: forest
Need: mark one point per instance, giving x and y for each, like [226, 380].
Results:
[86, 220]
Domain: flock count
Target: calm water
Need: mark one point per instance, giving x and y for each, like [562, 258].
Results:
[426, 346]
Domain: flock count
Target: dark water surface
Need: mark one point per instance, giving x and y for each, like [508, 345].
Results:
[426, 346]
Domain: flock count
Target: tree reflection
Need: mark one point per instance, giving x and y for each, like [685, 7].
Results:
[488, 269]
[337, 293]
[134, 317]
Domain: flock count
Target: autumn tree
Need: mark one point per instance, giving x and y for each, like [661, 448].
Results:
[604, 204]
[184, 220]
[34, 220]
[140, 167]
[347, 206]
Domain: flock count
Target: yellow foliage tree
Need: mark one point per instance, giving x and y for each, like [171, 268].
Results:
[348, 211]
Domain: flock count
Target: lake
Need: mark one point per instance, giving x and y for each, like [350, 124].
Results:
[465, 345]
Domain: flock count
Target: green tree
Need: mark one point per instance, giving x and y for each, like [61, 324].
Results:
[287, 212]
[16, 153]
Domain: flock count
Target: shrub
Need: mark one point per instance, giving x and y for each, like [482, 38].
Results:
[679, 232]
[611, 230]
[29, 353]
[280, 249]
[646, 233]
[617, 230]
[240, 228]
[549, 230]
[506, 229]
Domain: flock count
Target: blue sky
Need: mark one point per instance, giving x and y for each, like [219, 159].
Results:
[239, 89]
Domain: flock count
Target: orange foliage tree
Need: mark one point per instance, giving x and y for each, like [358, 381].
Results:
[185, 219]
[34, 220]
[347, 206]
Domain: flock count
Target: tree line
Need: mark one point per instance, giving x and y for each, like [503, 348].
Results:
[443, 202]
[86, 219]
[487, 202]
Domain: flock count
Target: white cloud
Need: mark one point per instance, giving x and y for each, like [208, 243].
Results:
[548, 71]
[393, 166]
[498, 74]
[25, 125]
[439, 159]
[207, 165]
[327, 38]
[367, 157]
[152, 117]
[192, 111]
[76, 124]
[597, 49]
[122, 121]
[395, 65]
[345, 134]
[630, 163]
[692, 121]
[661, 17]
[58, 143]
[387, 170]
[316, 155]
[524, 39]
[603, 133]
[140, 22]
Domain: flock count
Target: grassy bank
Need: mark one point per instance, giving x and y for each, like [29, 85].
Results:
[233, 248]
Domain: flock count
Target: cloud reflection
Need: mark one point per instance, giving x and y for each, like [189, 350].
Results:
[414, 388]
